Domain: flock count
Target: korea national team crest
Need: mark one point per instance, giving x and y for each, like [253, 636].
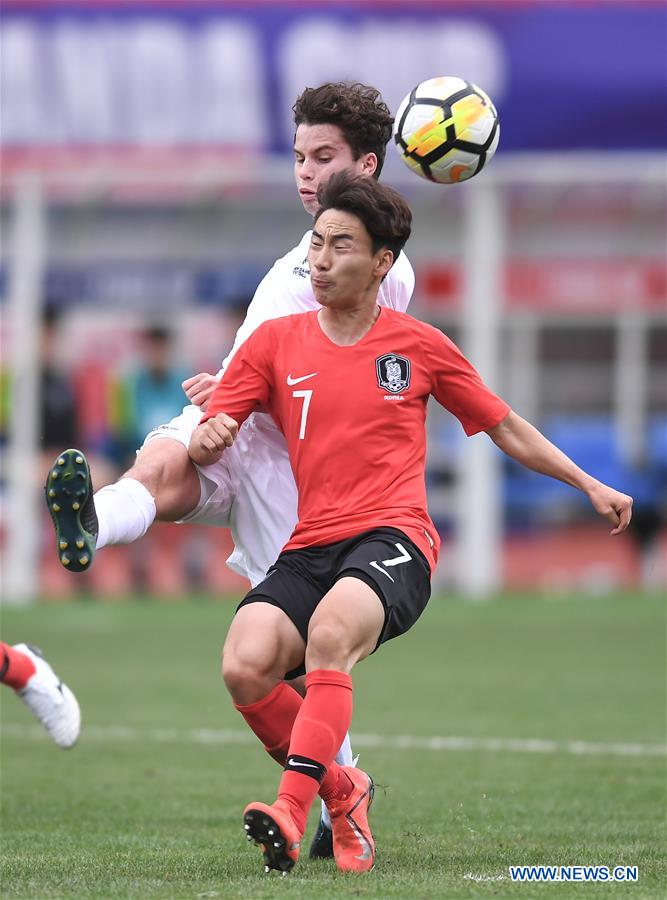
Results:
[393, 372]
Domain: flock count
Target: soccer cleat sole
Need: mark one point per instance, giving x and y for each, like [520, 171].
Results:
[67, 489]
[265, 831]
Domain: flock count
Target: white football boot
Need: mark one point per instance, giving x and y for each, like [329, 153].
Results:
[50, 701]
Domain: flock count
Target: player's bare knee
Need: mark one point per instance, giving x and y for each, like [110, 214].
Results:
[241, 680]
[329, 646]
[151, 469]
[247, 677]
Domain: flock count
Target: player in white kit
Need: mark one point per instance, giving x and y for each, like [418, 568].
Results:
[251, 490]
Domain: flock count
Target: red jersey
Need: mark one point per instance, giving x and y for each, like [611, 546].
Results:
[354, 418]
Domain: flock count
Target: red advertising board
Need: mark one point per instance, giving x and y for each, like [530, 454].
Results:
[570, 286]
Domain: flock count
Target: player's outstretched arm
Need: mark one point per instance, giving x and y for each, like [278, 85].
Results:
[523, 442]
[199, 389]
[210, 439]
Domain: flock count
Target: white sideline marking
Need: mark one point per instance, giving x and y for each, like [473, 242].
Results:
[386, 742]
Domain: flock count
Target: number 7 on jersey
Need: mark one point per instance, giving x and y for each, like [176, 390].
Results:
[305, 396]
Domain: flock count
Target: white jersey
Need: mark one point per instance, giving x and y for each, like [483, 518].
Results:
[251, 489]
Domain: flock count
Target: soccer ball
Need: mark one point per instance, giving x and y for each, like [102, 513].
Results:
[446, 129]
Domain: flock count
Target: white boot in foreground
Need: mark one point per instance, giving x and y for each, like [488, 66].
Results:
[50, 701]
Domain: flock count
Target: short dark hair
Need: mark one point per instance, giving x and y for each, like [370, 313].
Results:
[385, 214]
[357, 109]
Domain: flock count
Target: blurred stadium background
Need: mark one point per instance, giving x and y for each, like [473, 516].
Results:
[147, 187]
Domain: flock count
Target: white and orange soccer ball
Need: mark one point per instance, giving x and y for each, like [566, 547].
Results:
[446, 130]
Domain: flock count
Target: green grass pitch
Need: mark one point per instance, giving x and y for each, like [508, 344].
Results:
[149, 803]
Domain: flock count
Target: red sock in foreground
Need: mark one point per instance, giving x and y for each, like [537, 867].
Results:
[15, 667]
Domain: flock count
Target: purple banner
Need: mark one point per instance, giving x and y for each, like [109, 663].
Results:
[562, 75]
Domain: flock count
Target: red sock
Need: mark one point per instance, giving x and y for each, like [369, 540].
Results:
[318, 732]
[335, 785]
[15, 667]
[272, 718]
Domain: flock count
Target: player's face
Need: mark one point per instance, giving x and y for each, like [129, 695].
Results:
[319, 151]
[344, 270]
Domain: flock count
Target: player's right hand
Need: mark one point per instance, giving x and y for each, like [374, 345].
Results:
[612, 504]
[210, 439]
[199, 389]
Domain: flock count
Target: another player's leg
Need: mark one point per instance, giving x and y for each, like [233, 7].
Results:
[162, 484]
[24, 669]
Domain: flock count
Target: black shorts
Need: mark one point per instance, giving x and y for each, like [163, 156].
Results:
[384, 558]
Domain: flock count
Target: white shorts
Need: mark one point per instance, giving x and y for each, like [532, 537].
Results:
[250, 490]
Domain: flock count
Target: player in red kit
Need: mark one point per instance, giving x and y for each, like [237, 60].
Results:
[348, 387]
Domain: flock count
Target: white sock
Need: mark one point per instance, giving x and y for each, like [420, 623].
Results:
[125, 511]
[343, 758]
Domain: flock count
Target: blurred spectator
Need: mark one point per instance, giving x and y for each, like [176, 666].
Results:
[61, 419]
[58, 426]
[149, 393]
[144, 396]
[58, 422]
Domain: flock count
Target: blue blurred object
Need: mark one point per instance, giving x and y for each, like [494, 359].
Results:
[656, 444]
[592, 442]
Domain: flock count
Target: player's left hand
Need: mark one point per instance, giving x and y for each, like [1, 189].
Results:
[199, 389]
[613, 505]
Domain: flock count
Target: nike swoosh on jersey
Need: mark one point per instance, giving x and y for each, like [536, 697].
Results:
[292, 381]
